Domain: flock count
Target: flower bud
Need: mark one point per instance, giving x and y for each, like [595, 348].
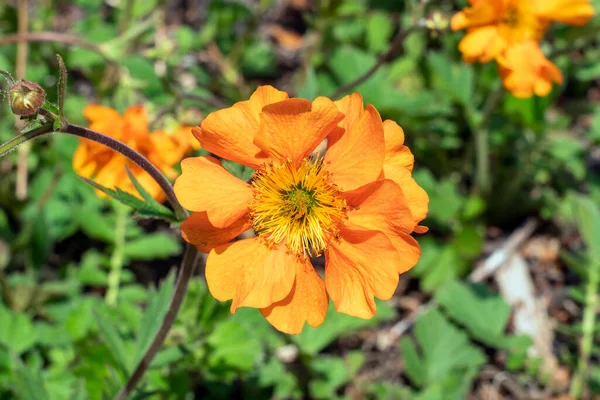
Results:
[436, 22]
[26, 97]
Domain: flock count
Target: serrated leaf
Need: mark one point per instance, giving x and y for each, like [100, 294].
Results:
[482, 313]
[445, 349]
[115, 344]
[144, 209]
[143, 192]
[154, 314]
[17, 332]
[28, 383]
[233, 345]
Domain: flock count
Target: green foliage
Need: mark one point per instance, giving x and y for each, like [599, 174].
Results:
[447, 362]
[60, 340]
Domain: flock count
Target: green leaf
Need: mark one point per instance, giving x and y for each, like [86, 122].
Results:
[332, 373]
[312, 340]
[17, 332]
[456, 80]
[28, 383]
[379, 31]
[110, 336]
[143, 192]
[62, 85]
[445, 350]
[143, 209]
[95, 224]
[234, 346]
[154, 314]
[285, 384]
[152, 246]
[587, 217]
[482, 313]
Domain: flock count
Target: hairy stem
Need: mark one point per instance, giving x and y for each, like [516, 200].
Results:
[25, 137]
[483, 181]
[118, 256]
[186, 272]
[589, 321]
[134, 156]
[107, 141]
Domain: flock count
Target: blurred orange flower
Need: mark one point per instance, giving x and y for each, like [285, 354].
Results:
[357, 206]
[509, 31]
[107, 167]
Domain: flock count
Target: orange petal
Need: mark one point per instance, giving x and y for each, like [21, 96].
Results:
[482, 44]
[198, 231]
[307, 302]
[526, 71]
[363, 264]
[381, 206]
[229, 133]
[204, 185]
[355, 154]
[574, 12]
[293, 128]
[136, 123]
[104, 120]
[250, 273]
[396, 153]
[481, 13]
[416, 197]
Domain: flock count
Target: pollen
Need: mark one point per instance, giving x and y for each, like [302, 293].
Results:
[519, 22]
[297, 205]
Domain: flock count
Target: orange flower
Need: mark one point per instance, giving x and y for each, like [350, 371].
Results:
[510, 31]
[107, 167]
[357, 206]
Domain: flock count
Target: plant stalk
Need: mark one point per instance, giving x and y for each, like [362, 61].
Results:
[186, 272]
[589, 321]
[483, 180]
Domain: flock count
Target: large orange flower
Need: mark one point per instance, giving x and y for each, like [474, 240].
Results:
[107, 167]
[510, 31]
[357, 205]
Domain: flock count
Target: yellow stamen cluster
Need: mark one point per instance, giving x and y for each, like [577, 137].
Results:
[520, 23]
[298, 205]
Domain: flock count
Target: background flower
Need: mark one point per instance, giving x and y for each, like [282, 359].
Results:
[509, 31]
[107, 167]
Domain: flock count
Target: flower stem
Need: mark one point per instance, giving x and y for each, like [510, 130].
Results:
[589, 321]
[482, 161]
[186, 272]
[118, 256]
[24, 137]
[483, 181]
[134, 156]
[107, 141]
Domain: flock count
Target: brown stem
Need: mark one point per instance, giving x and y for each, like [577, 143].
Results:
[54, 37]
[134, 156]
[188, 266]
[383, 59]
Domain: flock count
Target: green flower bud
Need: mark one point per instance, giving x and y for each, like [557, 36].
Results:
[26, 97]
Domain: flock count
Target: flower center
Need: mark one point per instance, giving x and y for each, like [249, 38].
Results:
[298, 205]
[518, 22]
